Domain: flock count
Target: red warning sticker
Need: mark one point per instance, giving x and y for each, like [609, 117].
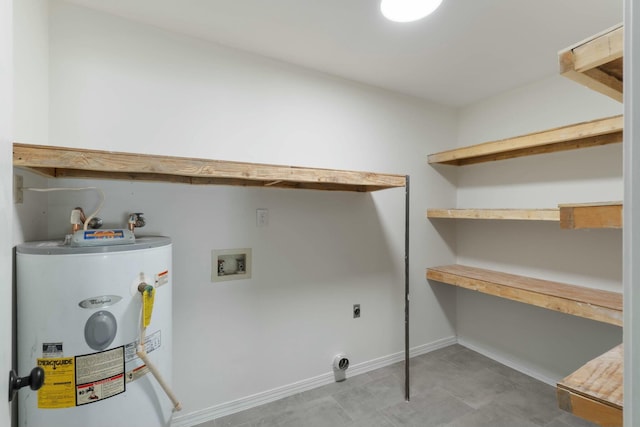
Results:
[162, 278]
[136, 373]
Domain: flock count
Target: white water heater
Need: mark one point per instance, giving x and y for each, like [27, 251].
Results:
[79, 312]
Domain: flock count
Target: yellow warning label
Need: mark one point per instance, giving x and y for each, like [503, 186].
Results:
[58, 390]
[147, 305]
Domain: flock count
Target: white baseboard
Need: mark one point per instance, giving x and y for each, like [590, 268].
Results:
[510, 363]
[228, 408]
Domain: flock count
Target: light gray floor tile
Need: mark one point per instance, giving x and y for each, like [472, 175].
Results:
[466, 359]
[523, 381]
[570, 420]
[394, 369]
[323, 412]
[445, 352]
[433, 373]
[490, 416]
[431, 409]
[538, 406]
[479, 388]
[277, 407]
[376, 420]
[360, 402]
[337, 387]
[450, 387]
[398, 370]
[557, 423]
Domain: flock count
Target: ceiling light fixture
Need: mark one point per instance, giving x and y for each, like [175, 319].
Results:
[407, 10]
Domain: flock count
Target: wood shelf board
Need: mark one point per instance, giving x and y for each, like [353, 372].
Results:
[595, 391]
[595, 304]
[589, 409]
[82, 163]
[498, 214]
[570, 216]
[597, 62]
[591, 215]
[587, 134]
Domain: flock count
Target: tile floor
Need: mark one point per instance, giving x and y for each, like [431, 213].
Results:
[451, 387]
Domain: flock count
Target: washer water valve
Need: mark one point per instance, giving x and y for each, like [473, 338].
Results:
[136, 220]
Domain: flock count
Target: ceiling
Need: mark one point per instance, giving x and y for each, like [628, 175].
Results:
[466, 51]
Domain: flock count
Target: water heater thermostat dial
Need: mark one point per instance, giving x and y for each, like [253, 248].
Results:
[100, 330]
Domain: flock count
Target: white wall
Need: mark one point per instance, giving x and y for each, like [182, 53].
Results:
[6, 215]
[123, 86]
[547, 344]
[29, 99]
[31, 62]
[30, 105]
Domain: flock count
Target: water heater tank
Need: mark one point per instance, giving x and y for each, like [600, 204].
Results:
[79, 318]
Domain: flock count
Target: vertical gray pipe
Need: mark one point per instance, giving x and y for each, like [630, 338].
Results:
[406, 291]
[631, 236]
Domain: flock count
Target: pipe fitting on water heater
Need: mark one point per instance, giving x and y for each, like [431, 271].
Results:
[136, 220]
[340, 366]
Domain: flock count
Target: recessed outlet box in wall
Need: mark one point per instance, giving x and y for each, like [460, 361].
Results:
[230, 264]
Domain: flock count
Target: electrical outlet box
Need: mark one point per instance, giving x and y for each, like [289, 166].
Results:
[230, 264]
[262, 217]
[18, 183]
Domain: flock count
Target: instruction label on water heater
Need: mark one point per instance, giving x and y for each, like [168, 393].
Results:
[58, 390]
[151, 342]
[99, 376]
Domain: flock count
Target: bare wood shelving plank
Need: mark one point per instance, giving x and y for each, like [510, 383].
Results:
[570, 216]
[81, 163]
[595, 304]
[499, 214]
[597, 62]
[581, 135]
[591, 215]
[595, 392]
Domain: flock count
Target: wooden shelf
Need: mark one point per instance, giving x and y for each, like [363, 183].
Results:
[594, 392]
[61, 162]
[500, 214]
[595, 304]
[570, 216]
[591, 215]
[581, 135]
[597, 62]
